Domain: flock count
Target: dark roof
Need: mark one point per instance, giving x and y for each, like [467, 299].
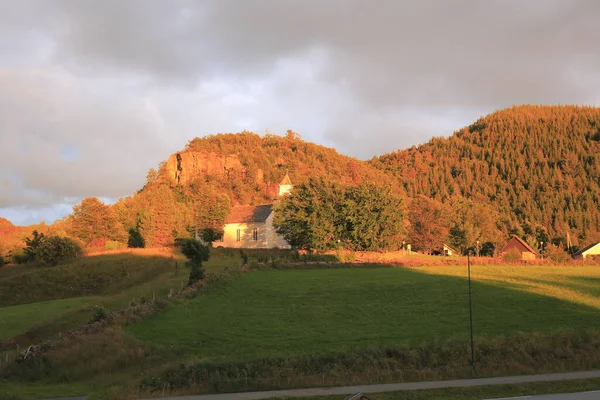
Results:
[286, 180]
[241, 214]
[449, 247]
[522, 243]
[586, 248]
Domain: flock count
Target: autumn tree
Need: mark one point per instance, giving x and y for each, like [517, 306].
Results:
[92, 220]
[427, 230]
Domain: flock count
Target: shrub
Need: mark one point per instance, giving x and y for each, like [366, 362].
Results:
[512, 256]
[19, 257]
[557, 254]
[99, 313]
[196, 253]
[136, 240]
[56, 249]
[31, 247]
[487, 249]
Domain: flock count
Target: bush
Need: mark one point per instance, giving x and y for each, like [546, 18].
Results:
[557, 254]
[56, 249]
[31, 247]
[19, 257]
[99, 313]
[136, 240]
[512, 256]
[196, 253]
[487, 249]
[2, 261]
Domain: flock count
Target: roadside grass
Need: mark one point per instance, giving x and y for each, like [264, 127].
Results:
[295, 312]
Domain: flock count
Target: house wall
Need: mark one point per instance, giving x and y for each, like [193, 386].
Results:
[527, 255]
[246, 238]
[594, 251]
[267, 237]
[273, 238]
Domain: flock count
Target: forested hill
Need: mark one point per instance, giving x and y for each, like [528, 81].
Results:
[538, 166]
[198, 186]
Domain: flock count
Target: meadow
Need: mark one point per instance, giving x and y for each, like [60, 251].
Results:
[290, 321]
[297, 312]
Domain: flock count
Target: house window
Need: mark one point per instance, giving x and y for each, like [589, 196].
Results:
[255, 234]
[220, 237]
[238, 235]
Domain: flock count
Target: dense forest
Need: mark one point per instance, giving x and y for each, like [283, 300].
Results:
[536, 168]
[532, 171]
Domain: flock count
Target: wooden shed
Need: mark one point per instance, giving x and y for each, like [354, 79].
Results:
[518, 244]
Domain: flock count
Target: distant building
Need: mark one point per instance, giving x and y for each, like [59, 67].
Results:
[591, 251]
[516, 243]
[448, 251]
[251, 227]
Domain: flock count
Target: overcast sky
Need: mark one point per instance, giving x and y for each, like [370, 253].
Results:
[94, 93]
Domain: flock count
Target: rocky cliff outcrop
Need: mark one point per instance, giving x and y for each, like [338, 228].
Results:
[183, 167]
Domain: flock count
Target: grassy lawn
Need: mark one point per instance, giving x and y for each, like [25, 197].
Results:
[15, 320]
[296, 312]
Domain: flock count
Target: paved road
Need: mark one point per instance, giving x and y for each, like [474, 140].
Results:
[595, 395]
[393, 387]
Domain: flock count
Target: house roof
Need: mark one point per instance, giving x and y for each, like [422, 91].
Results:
[587, 248]
[241, 214]
[448, 247]
[522, 243]
[286, 180]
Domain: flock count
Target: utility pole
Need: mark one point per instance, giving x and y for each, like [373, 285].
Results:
[471, 315]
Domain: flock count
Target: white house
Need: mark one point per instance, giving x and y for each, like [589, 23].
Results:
[251, 227]
[592, 251]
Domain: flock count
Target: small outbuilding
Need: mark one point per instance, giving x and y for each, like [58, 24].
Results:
[591, 251]
[448, 251]
[516, 243]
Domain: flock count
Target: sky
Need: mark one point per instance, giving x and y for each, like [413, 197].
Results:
[95, 93]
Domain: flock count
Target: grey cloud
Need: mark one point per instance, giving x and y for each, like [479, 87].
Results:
[128, 82]
[390, 53]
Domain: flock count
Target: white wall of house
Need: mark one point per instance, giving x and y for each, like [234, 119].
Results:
[592, 252]
[252, 235]
[273, 238]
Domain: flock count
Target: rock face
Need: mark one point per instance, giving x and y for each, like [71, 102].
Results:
[183, 167]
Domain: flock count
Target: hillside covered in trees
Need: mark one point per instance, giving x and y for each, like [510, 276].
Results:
[534, 170]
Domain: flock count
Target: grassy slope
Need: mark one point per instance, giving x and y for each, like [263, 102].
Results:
[15, 320]
[147, 273]
[273, 313]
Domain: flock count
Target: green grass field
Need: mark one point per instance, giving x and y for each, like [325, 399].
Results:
[15, 320]
[295, 312]
[291, 323]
